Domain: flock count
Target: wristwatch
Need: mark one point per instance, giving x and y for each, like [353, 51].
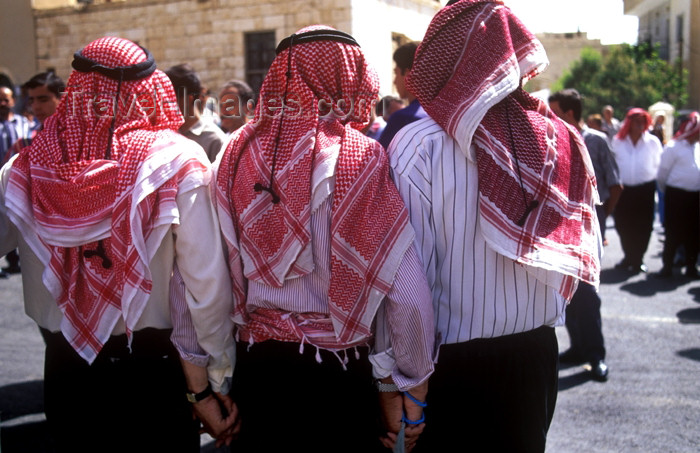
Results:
[197, 397]
[382, 387]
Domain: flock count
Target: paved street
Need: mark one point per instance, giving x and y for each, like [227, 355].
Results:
[651, 402]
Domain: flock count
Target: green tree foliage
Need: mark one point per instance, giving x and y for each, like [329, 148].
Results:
[625, 76]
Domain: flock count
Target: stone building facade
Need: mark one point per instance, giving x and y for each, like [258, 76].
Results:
[17, 53]
[675, 26]
[224, 39]
[562, 50]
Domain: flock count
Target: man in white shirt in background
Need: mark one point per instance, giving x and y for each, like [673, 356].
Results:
[638, 154]
[679, 180]
[487, 199]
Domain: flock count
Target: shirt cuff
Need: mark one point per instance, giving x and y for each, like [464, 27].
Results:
[200, 360]
[220, 379]
[383, 364]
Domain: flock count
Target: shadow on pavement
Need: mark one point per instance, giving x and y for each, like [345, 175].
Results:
[565, 366]
[689, 316]
[24, 428]
[695, 292]
[574, 380]
[692, 354]
[613, 276]
[648, 286]
[653, 285]
[17, 400]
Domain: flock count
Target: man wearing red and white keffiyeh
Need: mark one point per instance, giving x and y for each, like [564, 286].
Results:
[638, 155]
[678, 179]
[325, 274]
[95, 204]
[501, 194]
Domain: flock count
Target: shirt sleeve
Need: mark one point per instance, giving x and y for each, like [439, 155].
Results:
[201, 263]
[184, 337]
[412, 285]
[409, 169]
[405, 335]
[610, 170]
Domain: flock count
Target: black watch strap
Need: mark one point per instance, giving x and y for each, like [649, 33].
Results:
[197, 397]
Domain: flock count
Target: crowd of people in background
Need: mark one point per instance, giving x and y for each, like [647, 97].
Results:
[660, 176]
[338, 260]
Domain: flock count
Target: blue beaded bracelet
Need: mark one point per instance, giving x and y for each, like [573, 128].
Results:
[415, 400]
[418, 403]
[413, 422]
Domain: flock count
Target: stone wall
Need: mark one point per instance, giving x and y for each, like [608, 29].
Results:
[208, 34]
[562, 50]
[693, 56]
[17, 60]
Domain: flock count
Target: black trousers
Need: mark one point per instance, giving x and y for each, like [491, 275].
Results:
[584, 324]
[682, 209]
[123, 401]
[634, 220]
[289, 401]
[12, 258]
[602, 219]
[493, 395]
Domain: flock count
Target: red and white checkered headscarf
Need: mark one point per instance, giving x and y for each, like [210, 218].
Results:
[689, 127]
[297, 152]
[70, 194]
[627, 123]
[467, 74]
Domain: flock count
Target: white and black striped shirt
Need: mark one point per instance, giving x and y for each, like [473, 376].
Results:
[477, 293]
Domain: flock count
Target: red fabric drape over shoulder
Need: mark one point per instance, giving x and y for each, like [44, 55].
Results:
[467, 74]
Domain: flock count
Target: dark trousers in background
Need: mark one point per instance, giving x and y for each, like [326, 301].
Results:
[634, 221]
[584, 324]
[602, 219]
[123, 402]
[493, 395]
[290, 402]
[12, 260]
[682, 226]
